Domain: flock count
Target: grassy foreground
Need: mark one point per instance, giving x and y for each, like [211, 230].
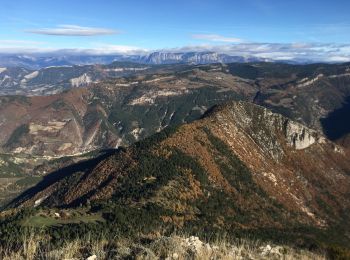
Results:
[172, 247]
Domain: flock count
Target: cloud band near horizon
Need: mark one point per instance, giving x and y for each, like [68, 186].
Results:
[73, 30]
[303, 52]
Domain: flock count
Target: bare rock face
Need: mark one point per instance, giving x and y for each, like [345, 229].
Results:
[81, 81]
[299, 136]
[267, 129]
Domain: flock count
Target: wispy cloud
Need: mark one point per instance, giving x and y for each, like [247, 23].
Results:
[95, 49]
[19, 43]
[216, 38]
[102, 48]
[73, 30]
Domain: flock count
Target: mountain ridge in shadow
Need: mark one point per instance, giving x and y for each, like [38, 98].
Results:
[337, 124]
[84, 166]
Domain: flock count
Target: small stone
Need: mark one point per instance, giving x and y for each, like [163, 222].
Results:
[265, 250]
[276, 251]
[93, 257]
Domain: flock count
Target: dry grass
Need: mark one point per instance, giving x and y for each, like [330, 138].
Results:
[174, 247]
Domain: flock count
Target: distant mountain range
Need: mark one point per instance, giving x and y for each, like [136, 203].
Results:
[38, 61]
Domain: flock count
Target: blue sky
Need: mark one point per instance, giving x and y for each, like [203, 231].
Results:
[129, 26]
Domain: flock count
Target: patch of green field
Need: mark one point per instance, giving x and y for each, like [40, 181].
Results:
[42, 220]
[28, 181]
[39, 221]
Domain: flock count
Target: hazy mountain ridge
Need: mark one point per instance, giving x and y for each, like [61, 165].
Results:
[38, 61]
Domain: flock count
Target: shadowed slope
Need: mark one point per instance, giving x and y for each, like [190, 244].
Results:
[337, 124]
[83, 167]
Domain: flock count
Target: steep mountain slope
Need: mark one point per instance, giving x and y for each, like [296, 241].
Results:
[241, 167]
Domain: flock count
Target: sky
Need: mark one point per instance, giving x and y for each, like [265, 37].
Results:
[267, 28]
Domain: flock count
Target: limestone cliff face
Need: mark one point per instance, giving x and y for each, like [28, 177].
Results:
[299, 136]
[194, 58]
[271, 131]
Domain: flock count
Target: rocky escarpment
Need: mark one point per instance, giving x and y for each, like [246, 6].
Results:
[194, 58]
[271, 131]
[299, 136]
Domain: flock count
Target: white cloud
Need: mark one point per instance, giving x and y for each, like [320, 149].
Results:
[216, 38]
[11, 43]
[103, 48]
[339, 59]
[73, 30]
[96, 49]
